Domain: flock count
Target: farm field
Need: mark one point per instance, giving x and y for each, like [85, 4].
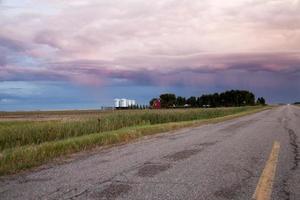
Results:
[49, 115]
[29, 139]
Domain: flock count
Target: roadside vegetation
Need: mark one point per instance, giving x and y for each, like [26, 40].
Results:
[25, 144]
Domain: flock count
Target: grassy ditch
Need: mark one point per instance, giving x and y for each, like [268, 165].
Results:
[32, 144]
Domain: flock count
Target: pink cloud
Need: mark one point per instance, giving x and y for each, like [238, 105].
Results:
[112, 30]
[152, 43]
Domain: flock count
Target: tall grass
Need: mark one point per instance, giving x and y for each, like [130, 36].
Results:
[29, 144]
[14, 134]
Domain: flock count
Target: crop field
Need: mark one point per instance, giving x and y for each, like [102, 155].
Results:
[34, 138]
[49, 115]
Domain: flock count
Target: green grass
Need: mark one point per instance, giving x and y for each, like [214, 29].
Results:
[28, 144]
[20, 133]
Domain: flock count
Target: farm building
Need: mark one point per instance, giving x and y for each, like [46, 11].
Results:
[156, 104]
[124, 103]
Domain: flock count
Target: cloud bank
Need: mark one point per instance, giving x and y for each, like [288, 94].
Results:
[240, 43]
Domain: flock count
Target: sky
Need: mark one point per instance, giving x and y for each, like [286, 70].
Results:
[81, 54]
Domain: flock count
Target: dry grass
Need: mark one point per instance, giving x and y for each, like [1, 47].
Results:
[28, 144]
[19, 133]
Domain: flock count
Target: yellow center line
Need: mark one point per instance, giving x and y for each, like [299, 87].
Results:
[264, 187]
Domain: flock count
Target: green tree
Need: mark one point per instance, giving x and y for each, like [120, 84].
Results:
[192, 101]
[167, 100]
[180, 101]
[227, 98]
[261, 101]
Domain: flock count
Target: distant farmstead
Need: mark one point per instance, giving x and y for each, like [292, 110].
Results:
[156, 104]
[124, 103]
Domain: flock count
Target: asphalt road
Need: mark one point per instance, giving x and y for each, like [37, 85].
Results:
[217, 161]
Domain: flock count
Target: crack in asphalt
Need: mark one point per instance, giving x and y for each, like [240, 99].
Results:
[232, 191]
[181, 155]
[117, 188]
[293, 139]
[236, 126]
[112, 191]
[25, 180]
[187, 153]
[55, 194]
[150, 170]
[60, 194]
[295, 147]
[79, 194]
[285, 190]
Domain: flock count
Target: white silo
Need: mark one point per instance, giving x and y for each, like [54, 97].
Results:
[133, 102]
[117, 103]
[123, 103]
[130, 103]
[127, 103]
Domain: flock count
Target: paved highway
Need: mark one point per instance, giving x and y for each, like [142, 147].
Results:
[216, 161]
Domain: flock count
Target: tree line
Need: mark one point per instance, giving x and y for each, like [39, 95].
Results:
[224, 99]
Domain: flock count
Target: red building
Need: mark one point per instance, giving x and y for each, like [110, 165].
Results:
[156, 104]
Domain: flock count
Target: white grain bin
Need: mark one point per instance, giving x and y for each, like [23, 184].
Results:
[123, 103]
[133, 102]
[117, 103]
[130, 102]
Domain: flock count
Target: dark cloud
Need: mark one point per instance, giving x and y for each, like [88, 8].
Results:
[9, 73]
[10, 44]
[3, 59]
[12, 51]
[260, 70]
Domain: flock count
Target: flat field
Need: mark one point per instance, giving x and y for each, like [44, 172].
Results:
[29, 139]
